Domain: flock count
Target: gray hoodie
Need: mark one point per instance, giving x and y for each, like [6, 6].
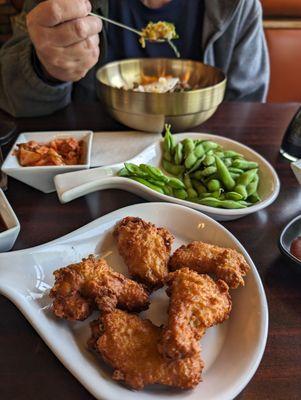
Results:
[233, 40]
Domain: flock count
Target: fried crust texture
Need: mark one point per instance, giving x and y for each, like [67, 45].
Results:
[196, 303]
[145, 250]
[129, 345]
[204, 258]
[80, 288]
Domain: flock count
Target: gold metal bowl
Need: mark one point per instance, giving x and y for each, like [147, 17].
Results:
[150, 111]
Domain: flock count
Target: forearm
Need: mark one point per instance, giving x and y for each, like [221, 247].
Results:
[249, 72]
[22, 93]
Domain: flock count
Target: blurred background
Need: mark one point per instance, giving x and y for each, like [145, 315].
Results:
[282, 24]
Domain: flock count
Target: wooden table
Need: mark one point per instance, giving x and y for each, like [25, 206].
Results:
[28, 369]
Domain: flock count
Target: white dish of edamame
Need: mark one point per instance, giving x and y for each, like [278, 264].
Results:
[213, 174]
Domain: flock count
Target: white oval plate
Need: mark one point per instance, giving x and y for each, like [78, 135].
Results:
[231, 351]
[75, 184]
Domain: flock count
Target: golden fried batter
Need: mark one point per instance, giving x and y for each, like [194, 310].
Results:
[145, 249]
[129, 345]
[204, 258]
[80, 288]
[196, 303]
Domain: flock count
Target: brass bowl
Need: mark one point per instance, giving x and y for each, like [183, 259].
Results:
[150, 111]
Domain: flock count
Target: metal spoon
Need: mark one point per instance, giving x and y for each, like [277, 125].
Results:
[129, 28]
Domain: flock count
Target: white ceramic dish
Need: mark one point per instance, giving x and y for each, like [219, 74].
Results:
[80, 183]
[9, 236]
[41, 178]
[231, 351]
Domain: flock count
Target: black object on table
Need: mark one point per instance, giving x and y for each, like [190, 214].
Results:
[291, 144]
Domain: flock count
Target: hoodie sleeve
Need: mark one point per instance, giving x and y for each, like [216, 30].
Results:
[22, 92]
[249, 70]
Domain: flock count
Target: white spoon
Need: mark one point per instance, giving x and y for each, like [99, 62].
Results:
[72, 185]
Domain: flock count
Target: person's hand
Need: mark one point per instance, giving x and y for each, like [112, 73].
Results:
[65, 39]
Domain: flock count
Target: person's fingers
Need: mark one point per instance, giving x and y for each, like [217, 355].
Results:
[53, 12]
[70, 32]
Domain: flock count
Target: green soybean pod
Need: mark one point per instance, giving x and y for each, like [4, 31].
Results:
[199, 150]
[135, 170]
[224, 174]
[123, 172]
[232, 154]
[213, 185]
[176, 183]
[253, 186]
[247, 177]
[243, 164]
[192, 194]
[233, 196]
[187, 182]
[236, 170]
[168, 190]
[209, 145]
[154, 172]
[199, 187]
[188, 145]
[173, 169]
[155, 182]
[148, 184]
[180, 194]
[208, 160]
[212, 202]
[219, 154]
[196, 165]
[178, 154]
[254, 198]
[234, 176]
[190, 160]
[241, 189]
[228, 162]
[205, 172]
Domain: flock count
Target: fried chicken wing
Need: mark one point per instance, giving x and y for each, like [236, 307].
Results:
[80, 288]
[204, 258]
[129, 345]
[145, 249]
[196, 303]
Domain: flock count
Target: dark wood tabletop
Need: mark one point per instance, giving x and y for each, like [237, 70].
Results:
[29, 370]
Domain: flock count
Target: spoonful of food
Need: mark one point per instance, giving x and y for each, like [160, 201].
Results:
[158, 32]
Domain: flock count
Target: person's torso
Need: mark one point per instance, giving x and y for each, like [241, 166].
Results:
[187, 15]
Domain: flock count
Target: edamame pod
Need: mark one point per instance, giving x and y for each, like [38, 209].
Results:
[243, 164]
[180, 194]
[233, 196]
[213, 185]
[176, 183]
[241, 189]
[253, 186]
[199, 150]
[212, 202]
[227, 162]
[224, 174]
[154, 172]
[190, 160]
[205, 172]
[192, 194]
[254, 198]
[199, 187]
[196, 165]
[173, 169]
[188, 145]
[208, 160]
[247, 177]
[209, 145]
[179, 154]
[124, 172]
[148, 184]
[232, 154]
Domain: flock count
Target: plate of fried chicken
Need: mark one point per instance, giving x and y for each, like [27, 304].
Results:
[151, 301]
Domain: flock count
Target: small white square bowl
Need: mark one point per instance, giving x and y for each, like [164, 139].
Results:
[41, 178]
[9, 236]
